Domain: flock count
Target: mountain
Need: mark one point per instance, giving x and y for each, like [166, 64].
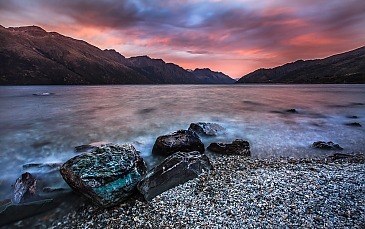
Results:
[210, 77]
[348, 67]
[30, 55]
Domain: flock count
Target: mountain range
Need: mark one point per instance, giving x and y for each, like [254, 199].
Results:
[348, 67]
[32, 56]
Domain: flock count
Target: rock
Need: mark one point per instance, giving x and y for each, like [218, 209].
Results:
[24, 188]
[107, 176]
[91, 146]
[238, 147]
[292, 111]
[326, 145]
[174, 170]
[355, 124]
[206, 128]
[352, 116]
[181, 140]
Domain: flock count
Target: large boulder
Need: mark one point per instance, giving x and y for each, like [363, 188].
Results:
[174, 170]
[24, 188]
[107, 176]
[181, 140]
[326, 145]
[237, 147]
[206, 128]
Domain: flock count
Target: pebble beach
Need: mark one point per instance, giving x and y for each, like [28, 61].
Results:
[243, 192]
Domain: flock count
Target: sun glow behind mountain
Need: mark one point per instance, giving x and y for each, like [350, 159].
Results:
[234, 37]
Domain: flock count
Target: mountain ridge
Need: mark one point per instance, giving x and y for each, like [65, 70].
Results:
[346, 67]
[30, 55]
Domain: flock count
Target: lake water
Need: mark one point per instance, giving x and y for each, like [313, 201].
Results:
[45, 129]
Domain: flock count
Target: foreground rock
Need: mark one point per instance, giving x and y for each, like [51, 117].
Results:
[107, 176]
[326, 145]
[237, 147]
[24, 188]
[181, 140]
[174, 170]
[206, 128]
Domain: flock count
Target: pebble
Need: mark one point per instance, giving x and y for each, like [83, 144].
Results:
[245, 192]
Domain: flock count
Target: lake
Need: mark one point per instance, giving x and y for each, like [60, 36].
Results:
[45, 129]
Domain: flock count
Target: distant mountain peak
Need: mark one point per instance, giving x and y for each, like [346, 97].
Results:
[347, 67]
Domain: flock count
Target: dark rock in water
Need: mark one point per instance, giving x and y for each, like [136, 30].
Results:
[206, 128]
[174, 170]
[107, 176]
[43, 94]
[291, 111]
[49, 166]
[354, 158]
[24, 188]
[52, 189]
[355, 124]
[181, 140]
[237, 147]
[326, 145]
[352, 116]
[90, 147]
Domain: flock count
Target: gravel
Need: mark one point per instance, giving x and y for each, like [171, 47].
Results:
[246, 193]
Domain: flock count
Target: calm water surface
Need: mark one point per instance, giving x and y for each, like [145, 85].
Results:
[45, 129]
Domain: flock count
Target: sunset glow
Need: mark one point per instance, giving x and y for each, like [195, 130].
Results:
[234, 37]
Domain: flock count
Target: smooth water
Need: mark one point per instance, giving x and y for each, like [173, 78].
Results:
[45, 129]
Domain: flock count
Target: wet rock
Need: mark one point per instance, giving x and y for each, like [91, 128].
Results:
[174, 170]
[206, 128]
[237, 147]
[352, 116]
[355, 124]
[43, 94]
[181, 140]
[326, 145]
[24, 188]
[91, 146]
[353, 158]
[107, 176]
[291, 111]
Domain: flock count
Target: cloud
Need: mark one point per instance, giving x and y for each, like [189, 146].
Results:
[267, 32]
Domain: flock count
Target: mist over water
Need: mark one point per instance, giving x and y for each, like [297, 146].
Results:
[45, 129]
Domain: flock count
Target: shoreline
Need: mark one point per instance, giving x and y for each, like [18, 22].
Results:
[242, 192]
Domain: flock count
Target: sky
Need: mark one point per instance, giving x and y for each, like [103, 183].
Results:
[231, 36]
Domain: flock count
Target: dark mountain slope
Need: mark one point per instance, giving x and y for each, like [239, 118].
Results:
[348, 67]
[208, 76]
[30, 55]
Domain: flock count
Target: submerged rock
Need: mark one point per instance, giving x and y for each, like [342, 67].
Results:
[107, 176]
[355, 124]
[206, 128]
[326, 145]
[24, 188]
[181, 140]
[174, 170]
[237, 147]
[291, 111]
[91, 146]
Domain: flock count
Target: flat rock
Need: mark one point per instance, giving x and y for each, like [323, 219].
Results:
[237, 147]
[326, 145]
[181, 140]
[174, 170]
[107, 176]
[206, 128]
